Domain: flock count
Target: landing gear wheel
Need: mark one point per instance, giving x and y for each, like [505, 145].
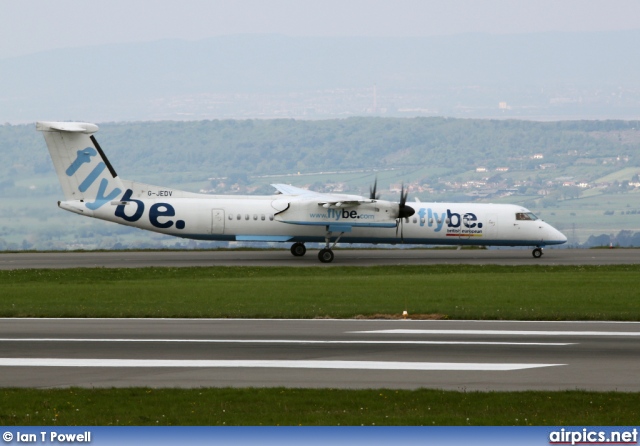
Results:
[325, 255]
[298, 249]
[537, 253]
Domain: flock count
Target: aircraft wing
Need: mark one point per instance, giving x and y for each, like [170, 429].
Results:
[324, 200]
[287, 189]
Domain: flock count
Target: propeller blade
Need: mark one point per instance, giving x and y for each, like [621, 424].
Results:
[372, 190]
[400, 226]
[404, 211]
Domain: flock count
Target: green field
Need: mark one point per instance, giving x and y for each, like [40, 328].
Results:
[455, 292]
[280, 406]
[620, 175]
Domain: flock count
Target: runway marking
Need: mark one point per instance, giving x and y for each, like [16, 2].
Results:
[504, 332]
[282, 341]
[303, 364]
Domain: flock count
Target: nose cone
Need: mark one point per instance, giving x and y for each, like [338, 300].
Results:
[563, 238]
[554, 236]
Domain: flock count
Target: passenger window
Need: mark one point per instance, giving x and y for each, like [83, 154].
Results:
[255, 216]
[230, 217]
[238, 217]
[415, 220]
[246, 216]
[262, 217]
[271, 217]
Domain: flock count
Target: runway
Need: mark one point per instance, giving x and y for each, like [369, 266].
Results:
[458, 355]
[343, 257]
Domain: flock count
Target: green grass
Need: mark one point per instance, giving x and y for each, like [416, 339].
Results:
[448, 291]
[620, 175]
[279, 406]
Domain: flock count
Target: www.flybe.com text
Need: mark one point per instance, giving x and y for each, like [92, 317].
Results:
[342, 214]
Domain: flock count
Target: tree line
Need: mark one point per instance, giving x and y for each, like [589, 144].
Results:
[256, 147]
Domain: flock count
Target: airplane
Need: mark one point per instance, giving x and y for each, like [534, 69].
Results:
[293, 215]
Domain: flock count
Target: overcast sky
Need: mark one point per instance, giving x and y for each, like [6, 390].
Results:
[28, 26]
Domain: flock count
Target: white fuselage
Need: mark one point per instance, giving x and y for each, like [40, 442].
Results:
[267, 219]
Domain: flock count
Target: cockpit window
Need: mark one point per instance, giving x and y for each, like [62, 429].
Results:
[526, 216]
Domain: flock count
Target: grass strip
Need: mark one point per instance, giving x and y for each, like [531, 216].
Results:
[447, 291]
[325, 407]
[465, 292]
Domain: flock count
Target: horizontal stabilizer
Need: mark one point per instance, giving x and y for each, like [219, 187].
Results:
[71, 127]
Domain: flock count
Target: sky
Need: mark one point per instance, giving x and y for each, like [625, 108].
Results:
[30, 26]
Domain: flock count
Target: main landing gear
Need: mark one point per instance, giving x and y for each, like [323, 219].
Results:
[325, 255]
[298, 249]
[537, 252]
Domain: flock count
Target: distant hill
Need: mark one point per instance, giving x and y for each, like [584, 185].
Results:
[258, 147]
[548, 74]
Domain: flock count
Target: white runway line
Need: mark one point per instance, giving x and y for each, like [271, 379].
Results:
[504, 332]
[303, 364]
[279, 341]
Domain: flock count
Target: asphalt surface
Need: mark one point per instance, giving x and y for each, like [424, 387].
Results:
[459, 355]
[356, 257]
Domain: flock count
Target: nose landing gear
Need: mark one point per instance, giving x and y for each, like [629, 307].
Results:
[537, 252]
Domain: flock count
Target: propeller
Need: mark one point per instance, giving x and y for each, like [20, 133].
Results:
[372, 191]
[404, 211]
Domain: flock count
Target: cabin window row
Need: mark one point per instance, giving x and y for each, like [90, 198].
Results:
[262, 217]
[415, 220]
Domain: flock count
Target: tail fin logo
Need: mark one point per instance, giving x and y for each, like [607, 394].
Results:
[85, 156]
[82, 157]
